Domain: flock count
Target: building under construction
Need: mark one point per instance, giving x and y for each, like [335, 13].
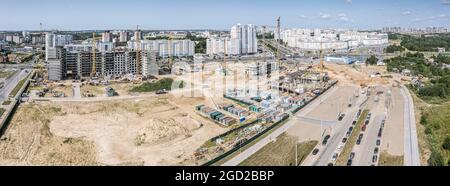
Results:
[75, 64]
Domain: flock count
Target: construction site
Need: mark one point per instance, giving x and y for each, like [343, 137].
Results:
[198, 113]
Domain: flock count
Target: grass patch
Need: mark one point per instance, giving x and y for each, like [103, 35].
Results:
[281, 152]
[7, 73]
[17, 88]
[342, 159]
[165, 83]
[2, 110]
[387, 159]
[7, 102]
[230, 156]
[436, 120]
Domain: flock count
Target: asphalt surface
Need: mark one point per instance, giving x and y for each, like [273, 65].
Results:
[335, 144]
[411, 148]
[365, 151]
[11, 83]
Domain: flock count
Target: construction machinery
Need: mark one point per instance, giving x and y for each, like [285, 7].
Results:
[94, 54]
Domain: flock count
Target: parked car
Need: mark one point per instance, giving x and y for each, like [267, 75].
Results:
[374, 159]
[360, 136]
[367, 122]
[335, 156]
[349, 162]
[375, 151]
[354, 123]
[352, 155]
[341, 117]
[315, 151]
[344, 140]
[350, 129]
[363, 128]
[378, 142]
[325, 140]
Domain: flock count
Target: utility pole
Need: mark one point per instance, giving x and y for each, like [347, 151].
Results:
[296, 154]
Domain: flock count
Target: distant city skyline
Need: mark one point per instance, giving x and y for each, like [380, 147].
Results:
[221, 14]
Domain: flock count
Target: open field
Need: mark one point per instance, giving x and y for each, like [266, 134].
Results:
[281, 152]
[159, 130]
[387, 159]
[436, 122]
[29, 141]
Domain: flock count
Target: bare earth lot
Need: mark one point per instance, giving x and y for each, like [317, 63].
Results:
[151, 131]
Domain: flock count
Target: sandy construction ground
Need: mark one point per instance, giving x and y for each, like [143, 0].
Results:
[305, 132]
[330, 108]
[394, 131]
[159, 130]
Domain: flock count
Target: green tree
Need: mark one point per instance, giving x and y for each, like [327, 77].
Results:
[436, 159]
[372, 60]
[423, 120]
[446, 144]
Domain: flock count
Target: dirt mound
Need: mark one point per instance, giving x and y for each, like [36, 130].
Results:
[159, 130]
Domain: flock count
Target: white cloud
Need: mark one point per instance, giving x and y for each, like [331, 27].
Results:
[324, 16]
[405, 13]
[432, 18]
[343, 17]
[303, 16]
[350, 1]
[446, 2]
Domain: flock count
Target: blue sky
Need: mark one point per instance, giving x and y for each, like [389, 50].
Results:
[220, 14]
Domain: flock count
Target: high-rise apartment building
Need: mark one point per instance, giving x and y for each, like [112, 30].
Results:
[242, 41]
[107, 36]
[123, 36]
[55, 40]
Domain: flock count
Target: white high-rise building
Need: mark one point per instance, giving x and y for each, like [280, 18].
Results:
[123, 36]
[54, 40]
[242, 41]
[178, 48]
[106, 36]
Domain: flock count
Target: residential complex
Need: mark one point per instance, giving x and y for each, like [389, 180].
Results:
[166, 48]
[415, 30]
[316, 39]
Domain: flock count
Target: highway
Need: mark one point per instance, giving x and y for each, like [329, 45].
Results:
[411, 147]
[272, 136]
[11, 83]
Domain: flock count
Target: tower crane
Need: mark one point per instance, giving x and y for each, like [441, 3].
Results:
[170, 51]
[138, 50]
[224, 66]
[94, 55]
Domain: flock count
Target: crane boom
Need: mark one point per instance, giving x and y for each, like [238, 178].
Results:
[94, 55]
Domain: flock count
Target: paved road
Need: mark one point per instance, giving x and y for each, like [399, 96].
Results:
[340, 132]
[365, 151]
[411, 148]
[260, 144]
[76, 90]
[11, 83]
